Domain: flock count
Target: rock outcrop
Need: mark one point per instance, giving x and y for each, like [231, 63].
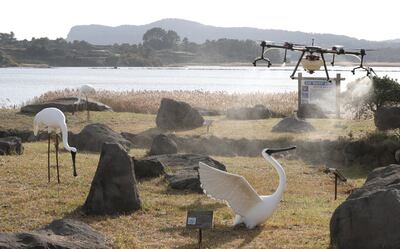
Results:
[387, 118]
[294, 125]
[181, 169]
[25, 135]
[370, 216]
[113, 189]
[163, 145]
[11, 146]
[67, 104]
[64, 233]
[92, 137]
[148, 168]
[177, 115]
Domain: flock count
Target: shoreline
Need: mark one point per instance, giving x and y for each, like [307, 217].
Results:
[230, 64]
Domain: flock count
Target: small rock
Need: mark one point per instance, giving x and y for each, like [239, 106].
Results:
[92, 137]
[177, 115]
[64, 233]
[291, 124]
[11, 146]
[387, 118]
[397, 156]
[181, 169]
[163, 145]
[66, 105]
[138, 140]
[145, 168]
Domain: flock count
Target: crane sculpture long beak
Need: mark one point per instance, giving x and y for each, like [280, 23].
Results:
[272, 151]
[73, 154]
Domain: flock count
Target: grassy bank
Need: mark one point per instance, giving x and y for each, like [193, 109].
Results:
[302, 220]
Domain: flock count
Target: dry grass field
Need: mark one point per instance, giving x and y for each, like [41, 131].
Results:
[28, 202]
[149, 101]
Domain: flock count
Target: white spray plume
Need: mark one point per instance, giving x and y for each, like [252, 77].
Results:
[360, 87]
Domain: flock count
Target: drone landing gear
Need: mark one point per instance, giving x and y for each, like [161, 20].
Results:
[262, 59]
[369, 70]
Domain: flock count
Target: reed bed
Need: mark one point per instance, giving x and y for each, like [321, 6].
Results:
[145, 101]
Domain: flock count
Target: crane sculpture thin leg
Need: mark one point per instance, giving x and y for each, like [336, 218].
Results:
[58, 171]
[87, 109]
[48, 159]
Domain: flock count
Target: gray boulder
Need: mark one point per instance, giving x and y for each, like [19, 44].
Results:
[138, 140]
[163, 145]
[250, 113]
[177, 115]
[11, 146]
[113, 188]
[294, 125]
[66, 105]
[207, 112]
[92, 137]
[370, 216]
[25, 135]
[310, 111]
[397, 156]
[182, 171]
[148, 167]
[387, 118]
[64, 233]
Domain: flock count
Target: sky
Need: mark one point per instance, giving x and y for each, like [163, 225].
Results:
[372, 20]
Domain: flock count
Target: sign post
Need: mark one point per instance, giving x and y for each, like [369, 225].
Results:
[338, 176]
[320, 91]
[199, 220]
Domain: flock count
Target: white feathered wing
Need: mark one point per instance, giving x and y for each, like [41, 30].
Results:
[234, 189]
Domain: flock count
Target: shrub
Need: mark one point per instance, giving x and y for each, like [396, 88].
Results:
[365, 96]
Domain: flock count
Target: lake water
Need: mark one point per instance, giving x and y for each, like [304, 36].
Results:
[18, 85]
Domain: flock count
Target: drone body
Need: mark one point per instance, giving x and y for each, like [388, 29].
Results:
[312, 57]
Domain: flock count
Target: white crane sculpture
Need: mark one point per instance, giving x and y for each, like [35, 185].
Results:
[250, 208]
[86, 90]
[54, 120]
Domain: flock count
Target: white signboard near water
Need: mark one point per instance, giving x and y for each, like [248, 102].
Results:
[319, 92]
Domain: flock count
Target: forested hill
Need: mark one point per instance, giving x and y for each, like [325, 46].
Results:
[199, 33]
[167, 47]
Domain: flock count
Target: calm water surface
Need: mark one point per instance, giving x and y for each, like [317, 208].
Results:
[18, 85]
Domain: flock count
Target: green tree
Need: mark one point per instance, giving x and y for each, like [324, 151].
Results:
[6, 38]
[154, 38]
[158, 38]
[171, 39]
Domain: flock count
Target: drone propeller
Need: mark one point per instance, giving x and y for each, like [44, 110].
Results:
[337, 47]
[365, 49]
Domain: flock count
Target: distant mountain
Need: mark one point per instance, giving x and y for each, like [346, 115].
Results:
[199, 33]
[393, 41]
